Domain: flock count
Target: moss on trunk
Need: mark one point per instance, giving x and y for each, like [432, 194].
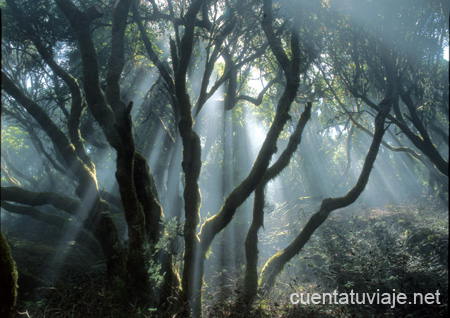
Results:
[251, 242]
[276, 263]
[8, 280]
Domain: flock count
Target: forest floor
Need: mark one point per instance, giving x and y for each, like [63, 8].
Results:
[401, 247]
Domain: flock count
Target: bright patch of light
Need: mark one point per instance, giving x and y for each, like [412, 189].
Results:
[446, 55]
[256, 132]
[256, 82]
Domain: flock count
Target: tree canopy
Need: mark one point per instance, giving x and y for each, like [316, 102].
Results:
[163, 132]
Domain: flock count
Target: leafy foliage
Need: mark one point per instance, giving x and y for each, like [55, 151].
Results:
[163, 124]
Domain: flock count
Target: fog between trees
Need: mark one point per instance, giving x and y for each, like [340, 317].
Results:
[193, 149]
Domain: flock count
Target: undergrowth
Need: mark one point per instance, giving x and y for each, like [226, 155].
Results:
[364, 250]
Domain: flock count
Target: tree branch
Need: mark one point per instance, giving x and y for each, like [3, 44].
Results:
[85, 238]
[77, 103]
[276, 263]
[251, 241]
[58, 200]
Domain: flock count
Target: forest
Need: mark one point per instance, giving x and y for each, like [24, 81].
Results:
[224, 158]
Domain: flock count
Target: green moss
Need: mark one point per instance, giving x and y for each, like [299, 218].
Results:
[8, 280]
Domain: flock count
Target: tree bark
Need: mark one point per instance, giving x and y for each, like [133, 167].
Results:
[83, 236]
[8, 280]
[96, 211]
[191, 163]
[251, 242]
[142, 211]
[60, 201]
[218, 222]
[276, 263]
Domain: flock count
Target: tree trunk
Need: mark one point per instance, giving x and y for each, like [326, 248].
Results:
[191, 163]
[276, 263]
[8, 280]
[251, 242]
[83, 236]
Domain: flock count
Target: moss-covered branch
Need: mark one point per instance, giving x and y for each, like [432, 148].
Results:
[80, 22]
[96, 210]
[251, 241]
[212, 226]
[151, 53]
[58, 200]
[77, 102]
[83, 236]
[8, 280]
[59, 139]
[422, 142]
[276, 263]
[209, 67]
[191, 163]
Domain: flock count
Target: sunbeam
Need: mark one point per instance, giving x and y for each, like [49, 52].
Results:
[224, 158]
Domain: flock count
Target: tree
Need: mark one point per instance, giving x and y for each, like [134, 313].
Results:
[8, 279]
[421, 113]
[113, 73]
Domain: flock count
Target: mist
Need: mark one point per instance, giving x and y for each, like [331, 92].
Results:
[217, 158]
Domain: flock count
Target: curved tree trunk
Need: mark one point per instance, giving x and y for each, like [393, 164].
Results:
[251, 242]
[276, 263]
[113, 116]
[218, 222]
[191, 163]
[96, 211]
